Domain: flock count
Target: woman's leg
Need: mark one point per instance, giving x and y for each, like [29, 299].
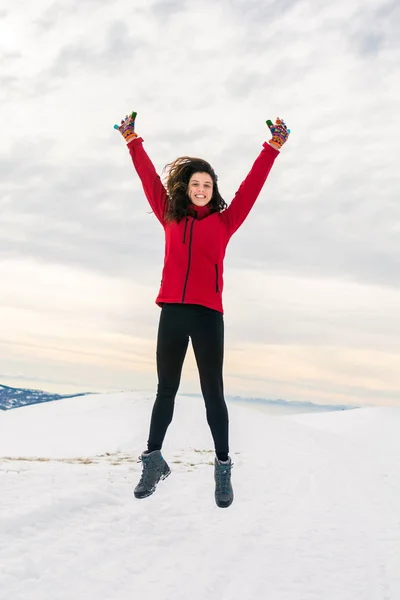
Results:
[207, 334]
[172, 343]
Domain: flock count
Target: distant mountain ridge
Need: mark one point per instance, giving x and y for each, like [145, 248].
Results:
[16, 397]
[285, 404]
[294, 404]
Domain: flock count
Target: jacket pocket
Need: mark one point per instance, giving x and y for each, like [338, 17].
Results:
[216, 279]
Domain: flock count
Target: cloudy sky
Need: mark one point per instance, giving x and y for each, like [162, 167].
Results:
[312, 286]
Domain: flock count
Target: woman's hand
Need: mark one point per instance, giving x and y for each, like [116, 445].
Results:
[280, 133]
[127, 127]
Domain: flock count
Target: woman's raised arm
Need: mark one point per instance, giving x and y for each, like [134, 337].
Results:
[251, 187]
[153, 188]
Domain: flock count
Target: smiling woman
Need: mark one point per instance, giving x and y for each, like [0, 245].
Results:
[191, 182]
[198, 226]
[200, 189]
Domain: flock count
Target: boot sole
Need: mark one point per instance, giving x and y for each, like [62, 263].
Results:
[224, 504]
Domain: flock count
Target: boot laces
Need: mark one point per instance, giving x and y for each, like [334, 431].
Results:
[149, 470]
[224, 477]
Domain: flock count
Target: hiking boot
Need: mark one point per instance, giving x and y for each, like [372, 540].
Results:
[223, 486]
[154, 469]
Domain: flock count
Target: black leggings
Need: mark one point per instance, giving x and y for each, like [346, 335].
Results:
[205, 327]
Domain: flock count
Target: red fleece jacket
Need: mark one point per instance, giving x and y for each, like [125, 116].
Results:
[195, 247]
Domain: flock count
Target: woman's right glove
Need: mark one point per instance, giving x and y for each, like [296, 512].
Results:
[127, 127]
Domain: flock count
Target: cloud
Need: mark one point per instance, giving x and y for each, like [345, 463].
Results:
[117, 45]
[72, 215]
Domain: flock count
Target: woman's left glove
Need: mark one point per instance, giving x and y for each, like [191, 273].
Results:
[127, 127]
[280, 133]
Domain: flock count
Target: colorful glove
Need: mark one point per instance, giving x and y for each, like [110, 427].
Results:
[127, 127]
[280, 132]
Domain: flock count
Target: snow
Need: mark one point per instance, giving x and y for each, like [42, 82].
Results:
[315, 515]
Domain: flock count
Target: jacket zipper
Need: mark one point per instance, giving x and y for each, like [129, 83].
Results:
[184, 231]
[216, 279]
[189, 259]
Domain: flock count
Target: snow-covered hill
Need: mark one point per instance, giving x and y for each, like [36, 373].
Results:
[315, 513]
[16, 397]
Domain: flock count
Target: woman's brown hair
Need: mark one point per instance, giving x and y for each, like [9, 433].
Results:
[178, 174]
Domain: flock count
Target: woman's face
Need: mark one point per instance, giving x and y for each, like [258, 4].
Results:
[200, 189]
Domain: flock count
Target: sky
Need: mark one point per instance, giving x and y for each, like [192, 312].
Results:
[312, 292]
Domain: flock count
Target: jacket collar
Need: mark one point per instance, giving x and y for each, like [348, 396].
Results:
[199, 212]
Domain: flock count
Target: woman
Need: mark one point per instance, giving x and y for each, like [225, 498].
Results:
[198, 226]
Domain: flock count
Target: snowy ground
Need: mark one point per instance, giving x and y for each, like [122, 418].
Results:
[316, 513]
